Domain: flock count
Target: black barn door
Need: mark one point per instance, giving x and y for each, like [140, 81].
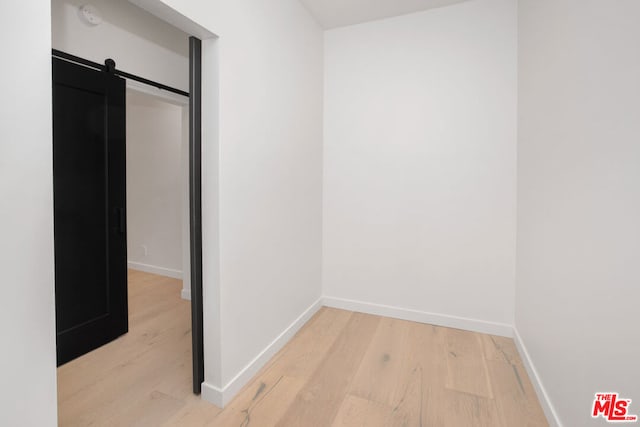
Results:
[89, 208]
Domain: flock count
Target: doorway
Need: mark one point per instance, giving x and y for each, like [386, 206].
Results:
[91, 214]
[194, 241]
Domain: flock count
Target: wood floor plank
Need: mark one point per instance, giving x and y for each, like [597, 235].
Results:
[391, 373]
[167, 324]
[426, 344]
[466, 365]
[311, 345]
[176, 380]
[132, 383]
[499, 348]
[149, 411]
[138, 358]
[357, 411]
[195, 413]
[263, 405]
[319, 400]
[379, 376]
[124, 373]
[514, 395]
[449, 408]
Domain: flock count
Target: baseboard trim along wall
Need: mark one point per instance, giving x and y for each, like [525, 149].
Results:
[186, 294]
[482, 326]
[154, 269]
[543, 397]
[221, 396]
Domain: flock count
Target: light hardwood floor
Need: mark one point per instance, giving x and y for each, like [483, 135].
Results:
[342, 369]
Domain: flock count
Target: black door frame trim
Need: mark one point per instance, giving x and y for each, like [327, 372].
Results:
[195, 209]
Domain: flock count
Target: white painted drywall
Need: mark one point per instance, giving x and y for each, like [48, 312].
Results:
[578, 268]
[419, 161]
[270, 177]
[139, 42]
[154, 184]
[27, 321]
[186, 225]
[270, 173]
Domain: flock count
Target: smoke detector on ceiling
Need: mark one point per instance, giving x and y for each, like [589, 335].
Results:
[91, 15]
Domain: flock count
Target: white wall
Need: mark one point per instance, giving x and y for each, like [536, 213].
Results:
[186, 225]
[419, 164]
[27, 322]
[578, 253]
[271, 172]
[139, 42]
[270, 136]
[154, 184]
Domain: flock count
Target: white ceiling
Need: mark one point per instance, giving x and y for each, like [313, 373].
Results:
[338, 13]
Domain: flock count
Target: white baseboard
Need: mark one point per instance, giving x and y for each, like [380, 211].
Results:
[161, 271]
[186, 294]
[485, 327]
[221, 396]
[543, 397]
[213, 394]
